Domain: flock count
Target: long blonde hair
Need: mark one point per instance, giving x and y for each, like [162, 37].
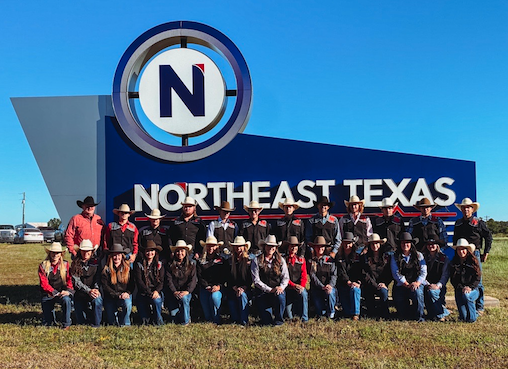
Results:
[46, 264]
[123, 273]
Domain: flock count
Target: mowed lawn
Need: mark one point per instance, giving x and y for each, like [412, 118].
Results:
[24, 343]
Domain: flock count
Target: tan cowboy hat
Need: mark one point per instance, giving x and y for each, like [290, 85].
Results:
[86, 245]
[468, 202]
[224, 206]
[55, 247]
[292, 240]
[374, 237]
[253, 205]
[462, 242]
[181, 244]
[319, 242]
[289, 202]
[354, 200]
[270, 240]
[240, 241]
[151, 245]
[189, 201]
[124, 208]
[388, 203]
[424, 203]
[155, 214]
[211, 240]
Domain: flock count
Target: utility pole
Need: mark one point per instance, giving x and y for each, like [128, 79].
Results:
[23, 202]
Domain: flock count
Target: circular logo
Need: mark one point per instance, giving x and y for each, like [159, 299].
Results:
[168, 74]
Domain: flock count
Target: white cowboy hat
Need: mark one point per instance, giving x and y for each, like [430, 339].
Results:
[124, 208]
[270, 240]
[468, 202]
[86, 245]
[374, 237]
[388, 203]
[253, 205]
[289, 202]
[155, 214]
[55, 247]
[181, 244]
[189, 201]
[240, 241]
[211, 240]
[354, 200]
[462, 242]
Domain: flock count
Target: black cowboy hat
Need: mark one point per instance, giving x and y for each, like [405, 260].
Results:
[324, 200]
[406, 236]
[88, 201]
[117, 249]
[433, 238]
[349, 237]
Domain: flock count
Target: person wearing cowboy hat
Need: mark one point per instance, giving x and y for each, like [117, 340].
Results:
[476, 232]
[388, 225]
[465, 276]
[355, 222]
[123, 232]
[437, 276]
[409, 271]
[426, 223]
[223, 229]
[289, 225]
[324, 224]
[377, 276]
[56, 285]
[323, 279]
[86, 277]
[155, 232]
[239, 281]
[254, 229]
[296, 293]
[181, 280]
[84, 226]
[271, 277]
[349, 275]
[118, 285]
[188, 226]
[212, 271]
[149, 276]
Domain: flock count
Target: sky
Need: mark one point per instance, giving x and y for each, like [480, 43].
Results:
[422, 77]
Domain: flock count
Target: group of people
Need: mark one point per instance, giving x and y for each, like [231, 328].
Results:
[344, 264]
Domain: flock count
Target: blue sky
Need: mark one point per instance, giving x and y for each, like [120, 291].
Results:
[427, 77]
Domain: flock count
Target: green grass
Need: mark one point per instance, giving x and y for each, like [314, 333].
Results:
[343, 344]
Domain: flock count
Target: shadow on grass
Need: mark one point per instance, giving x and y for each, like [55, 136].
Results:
[20, 294]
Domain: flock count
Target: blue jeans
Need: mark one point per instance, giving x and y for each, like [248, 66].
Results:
[466, 304]
[435, 303]
[323, 302]
[88, 310]
[379, 307]
[239, 306]
[124, 316]
[409, 303]
[48, 304]
[298, 301]
[179, 310]
[481, 291]
[150, 309]
[268, 303]
[350, 300]
[211, 303]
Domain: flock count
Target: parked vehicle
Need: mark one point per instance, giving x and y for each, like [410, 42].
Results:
[48, 233]
[29, 235]
[7, 233]
[59, 235]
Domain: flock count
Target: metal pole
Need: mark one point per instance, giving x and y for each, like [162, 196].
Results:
[23, 202]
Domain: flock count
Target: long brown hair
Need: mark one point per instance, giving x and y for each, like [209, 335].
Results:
[123, 273]
[276, 264]
[155, 262]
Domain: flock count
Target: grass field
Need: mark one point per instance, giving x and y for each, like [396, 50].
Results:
[24, 343]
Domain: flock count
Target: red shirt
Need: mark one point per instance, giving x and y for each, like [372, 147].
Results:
[303, 280]
[46, 287]
[80, 228]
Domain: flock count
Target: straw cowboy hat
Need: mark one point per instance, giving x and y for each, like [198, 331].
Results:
[354, 200]
[189, 201]
[181, 244]
[324, 200]
[116, 249]
[55, 247]
[270, 240]
[211, 240]
[462, 242]
[349, 237]
[86, 245]
[124, 208]
[319, 241]
[468, 202]
[240, 241]
[406, 236]
[374, 237]
[252, 205]
[224, 206]
[289, 202]
[88, 201]
[155, 214]
[424, 203]
[151, 245]
[388, 203]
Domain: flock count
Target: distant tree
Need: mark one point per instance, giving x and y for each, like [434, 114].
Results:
[54, 223]
[497, 227]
